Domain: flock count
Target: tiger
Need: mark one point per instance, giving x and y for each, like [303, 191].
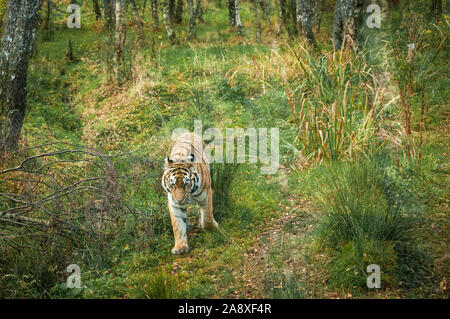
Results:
[187, 180]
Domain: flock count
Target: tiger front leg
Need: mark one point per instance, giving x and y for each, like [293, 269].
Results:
[179, 225]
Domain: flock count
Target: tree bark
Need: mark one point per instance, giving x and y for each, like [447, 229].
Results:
[199, 12]
[283, 18]
[172, 11]
[179, 12]
[232, 12]
[304, 19]
[98, 13]
[119, 40]
[17, 42]
[314, 6]
[344, 27]
[46, 25]
[322, 8]
[264, 4]
[192, 18]
[257, 20]
[293, 16]
[168, 22]
[108, 8]
[138, 22]
[238, 17]
[155, 13]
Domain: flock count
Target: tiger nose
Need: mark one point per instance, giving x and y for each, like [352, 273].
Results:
[179, 194]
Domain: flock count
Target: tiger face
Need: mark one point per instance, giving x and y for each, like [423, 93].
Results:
[180, 180]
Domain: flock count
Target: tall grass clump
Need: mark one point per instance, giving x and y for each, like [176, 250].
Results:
[367, 223]
[223, 176]
[336, 105]
[158, 286]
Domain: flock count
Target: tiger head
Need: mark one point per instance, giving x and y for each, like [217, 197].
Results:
[180, 178]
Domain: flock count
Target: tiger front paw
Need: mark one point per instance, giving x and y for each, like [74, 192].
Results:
[178, 250]
[210, 225]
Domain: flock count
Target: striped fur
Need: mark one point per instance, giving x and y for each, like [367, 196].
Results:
[187, 180]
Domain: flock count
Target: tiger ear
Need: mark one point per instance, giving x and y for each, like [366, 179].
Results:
[168, 161]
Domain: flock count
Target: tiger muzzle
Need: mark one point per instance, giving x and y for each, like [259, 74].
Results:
[179, 193]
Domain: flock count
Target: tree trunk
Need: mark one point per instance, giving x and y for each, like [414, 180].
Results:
[284, 18]
[264, 4]
[20, 25]
[143, 7]
[98, 13]
[304, 19]
[359, 12]
[199, 12]
[257, 20]
[314, 6]
[322, 8]
[293, 16]
[46, 25]
[344, 27]
[172, 11]
[232, 12]
[155, 13]
[238, 17]
[192, 18]
[119, 41]
[138, 22]
[168, 23]
[179, 12]
[108, 7]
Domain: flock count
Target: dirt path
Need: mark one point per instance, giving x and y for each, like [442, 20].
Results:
[282, 235]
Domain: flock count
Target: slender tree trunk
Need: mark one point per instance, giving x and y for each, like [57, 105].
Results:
[98, 13]
[257, 20]
[179, 12]
[192, 18]
[304, 19]
[232, 12]
[155, 13]
[281, 15]
[293, 16]
[19, 32]
[322, 8]
[344, 27]
[314, 6]
[199, 12]
[422, 125]
[138, 20]
[172, 11]
[119, 40]
[238, 17]
[46, 25]
[284, 18]
[143, 7]
[264, 4]
[108, 8]
[359, 11]
[168, 23]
